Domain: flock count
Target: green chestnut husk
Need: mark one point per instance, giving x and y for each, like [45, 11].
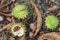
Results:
[20, 11]
[20, 31]
[51, 22]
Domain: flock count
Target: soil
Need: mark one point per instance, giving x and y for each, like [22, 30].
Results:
[46, 7]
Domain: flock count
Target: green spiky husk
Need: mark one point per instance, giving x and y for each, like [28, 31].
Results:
[20, 11]
[51, 22]
[18, 24]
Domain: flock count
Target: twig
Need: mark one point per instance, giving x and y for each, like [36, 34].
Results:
[2, 25]
[2, 2]
[9, 19]
[6, 27]
[12, 20]
[1, 13]
[5, 9]
[39, 18]
[6, 4]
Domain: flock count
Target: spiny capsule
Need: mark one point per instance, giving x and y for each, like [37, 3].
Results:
[18, 29]
[20, 11]
[51, 22]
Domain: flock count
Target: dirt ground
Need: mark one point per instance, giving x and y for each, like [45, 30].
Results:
[38, 11]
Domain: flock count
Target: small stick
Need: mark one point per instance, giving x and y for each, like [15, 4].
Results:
[2, 25]
[1, 13]
[5, 9]
[2, 2]
[6, 4]
[9, 19]
[6, 27]
[58, 14]
[12, 19]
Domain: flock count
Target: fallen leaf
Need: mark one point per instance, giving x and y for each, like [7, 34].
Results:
[11, 38]
[22, 38]
[39, 19]
[50, 36]
[58, 14]
[53, 8]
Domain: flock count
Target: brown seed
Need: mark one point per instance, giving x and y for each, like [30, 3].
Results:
[16, 28]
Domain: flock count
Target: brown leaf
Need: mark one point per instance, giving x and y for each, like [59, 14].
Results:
[39, 18]
[8, 19]
[53, 8]
[58, 14]
[11, 38]
[1, 38]
[5, 9]
[22, 38]
[50, 36]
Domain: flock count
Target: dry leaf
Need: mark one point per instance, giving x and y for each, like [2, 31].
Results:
[6, 27]
[22, 38]
[50, 36]
[58, 14]
[11, 38]
[53, 8]
[39, 19]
